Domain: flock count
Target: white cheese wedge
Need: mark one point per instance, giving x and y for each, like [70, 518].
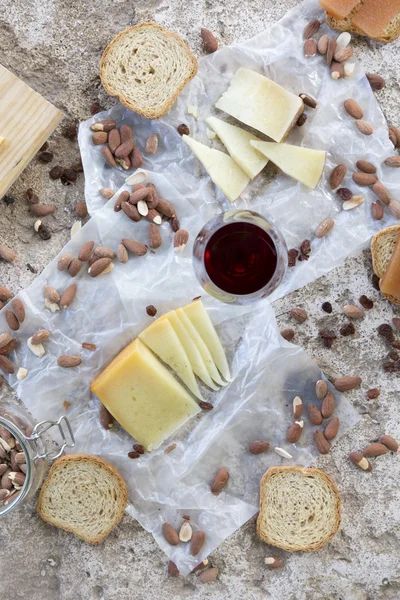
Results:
[223, 170]
[202, 322]
[261, 103]
[204, 351]
[304, 164]
[193, 354]
[161, 338]
[237, 142]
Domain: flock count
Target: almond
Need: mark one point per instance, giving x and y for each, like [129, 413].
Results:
[343, 55]
[87, 346]
[344, 384]
[51, 293]
[360, 461]
[170, 534]
[210, 43]
[299, 315]
[108, 156]
[152, 143]
[382, 193]
[99, 266]
[321, 389]
[137, 248]
[376, 81]
[308, 100]
[258, 446]
[331, 430]
[393, 161]
[40, 336]
[126, 133]
[136, 158]
[74, 267]
[389, 442]
[139, 194]
[181, 238]
[219, 482]
[7, 254]
[366, 167]
[310, 48]
[85, 252]
[105, 125]
[106, 418]
[314, 414]
[5, 339]
[42, 210]
[6, 365]
[364, 127]
[394, 207]
[297, 407]
[68, 295]
[9, 348]
[154, 235]
[68, 362]
[131, 211]
[19, 309]
[114, 140]
[104, 252]
[322, 444]
[331, 49]
[165, 208]
[209, 575]
[197, 542]
[328, 405]
[311, 29]
[123, 197]
[353, 202]
[337, 70]
[353, 109]
[337, 176]
[12, 320]
[153, 198]
[99, 138]
[364, 178]
[64, 261]
[122, 254]
[287, 334]
[324, 228]
[5, 294]
[395, 135]
[154, 216]
[294, 432]
[81, 210]
[142, 207]
[322, 44]
[375, 449]
[273, 562]
[353, 312]
[173, 570]
[377, 210]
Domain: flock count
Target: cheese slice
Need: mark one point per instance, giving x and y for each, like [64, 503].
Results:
[143, 396]
[237, 142]
[202, 322]
[193, 354]
[261, 103]
[304, 164]
[161, 338]
[223, 170]
[204, 351]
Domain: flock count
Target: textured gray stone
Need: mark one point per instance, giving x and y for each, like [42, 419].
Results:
[55, 45]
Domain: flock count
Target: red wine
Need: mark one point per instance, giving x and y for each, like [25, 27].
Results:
[240, 258]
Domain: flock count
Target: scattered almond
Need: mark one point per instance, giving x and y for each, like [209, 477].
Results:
[314, 414]
[152, 143]
[393, 161]
[74, 267]
[122, 254]
[131, 211]
[364, 127]
[209, 575]
[197, 542]
[360, 461]
[104, 252]
[287, 334]
[51, 293]
[376, 81]
[81, 210]
[364, 178]
[37, 349]
[137, 248]
[68, 362]
[294, 432]
[86, 251]
[366, 167]
[310, 48]
[311, 29]
[322, 44]
[107, 193]
[5, 339]
[5, 294]
[106, 418]
[328, 405]
[389, 442]
[154, 235]
[258, 446]
[353, 312]
[12, 320]
[337, 70]
[337, 176]
[40, 336]
[6, 365]
[64, 261]
[7, 254]
[68, 295]
[87, 346]
[181, 238]
[308, 100]
[170, 534]
[343, 55]
[331, 430]
[377, 210]
[331, 49]
[375, 449]
[210, 43]
[99, 266]
[322, 444]
[353, 109]
[173, 570]
[324, 228]
[105, 125]
[382, 193]
[344, 384]
[321, 389]
[297, 407]
[299, 315]
[273, 562]
[220, 481]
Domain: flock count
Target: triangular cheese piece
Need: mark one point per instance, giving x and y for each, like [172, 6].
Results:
[202, 322]
[304, 164]
[223, 170]
[193, 354]
[237, 142]
[161, 338]
[204, 351]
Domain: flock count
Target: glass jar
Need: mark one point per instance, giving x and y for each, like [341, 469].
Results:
[22, 439]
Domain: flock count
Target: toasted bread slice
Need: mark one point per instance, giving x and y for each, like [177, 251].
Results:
[300, 509]
[362, 20]
[147, 67]
[85, 495]
[382, 246]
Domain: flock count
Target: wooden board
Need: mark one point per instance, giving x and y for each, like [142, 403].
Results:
[26, 121]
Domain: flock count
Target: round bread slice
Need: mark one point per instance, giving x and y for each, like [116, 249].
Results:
[382, 246]
[147, 67]
[85, 495]
[300, 509]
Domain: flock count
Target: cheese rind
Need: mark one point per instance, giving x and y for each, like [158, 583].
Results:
[304, 164]
[161, 338]
[223, 170]
[203, 324]
[237, 142]
[143, 396]
[261, 103]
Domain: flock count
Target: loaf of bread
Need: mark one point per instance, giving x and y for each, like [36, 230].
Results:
[85, 495]
[300, 509]
[382, 246]
[377, 19]
[147, 67]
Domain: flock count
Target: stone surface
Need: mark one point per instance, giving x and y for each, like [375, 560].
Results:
[55, 46]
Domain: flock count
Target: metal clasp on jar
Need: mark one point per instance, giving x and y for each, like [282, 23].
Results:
[66, 433]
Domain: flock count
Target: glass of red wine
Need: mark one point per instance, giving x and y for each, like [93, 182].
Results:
[239, 257]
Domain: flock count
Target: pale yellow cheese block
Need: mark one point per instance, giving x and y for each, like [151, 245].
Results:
[261, 103]
[193, 354]
[223, 170]
[237, 142]
[203, 324]
[304, 164]
[161, 338]
[204, 351]
[143, 396]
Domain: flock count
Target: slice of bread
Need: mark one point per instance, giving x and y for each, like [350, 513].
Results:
[300, 509]
[85, 495]
[388, 34]
[147, 67]
[382, 245]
